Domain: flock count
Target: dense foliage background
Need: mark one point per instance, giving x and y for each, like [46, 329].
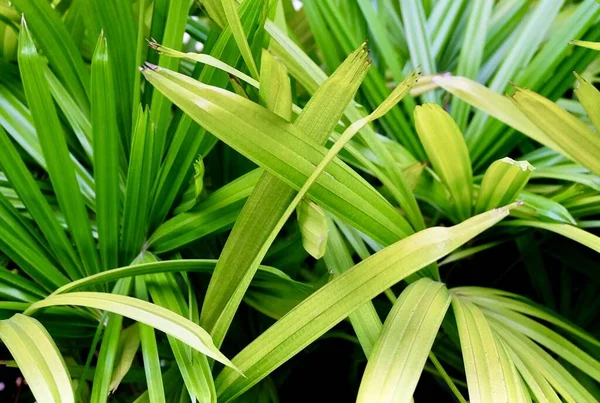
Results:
[275, 200]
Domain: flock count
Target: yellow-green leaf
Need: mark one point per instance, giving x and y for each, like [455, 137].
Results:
[589, 97]
[495, 105]
[586, 44]
[486, 380]
[398, 358]
[313, 226]
[144, 312]
[448, 153]
[129, 342]
[571, 134]
[502, 182]
[340, 297]
[38, 359]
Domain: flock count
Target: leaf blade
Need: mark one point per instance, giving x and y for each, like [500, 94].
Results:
[38, 358]
[150, 314]
[399, 356]
[374, 275]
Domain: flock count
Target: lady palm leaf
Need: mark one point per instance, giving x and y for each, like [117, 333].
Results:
[38, 357]
[110, 182]
[405, 341]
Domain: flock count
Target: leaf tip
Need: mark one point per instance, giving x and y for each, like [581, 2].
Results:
[153, 67]
[153, 44]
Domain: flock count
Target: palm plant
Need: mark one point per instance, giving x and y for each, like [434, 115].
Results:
[160, 199]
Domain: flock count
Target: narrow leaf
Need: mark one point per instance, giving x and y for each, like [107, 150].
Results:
[571, 135]
[38, 359]
[336, 300]
[138, 187]
[313, 226]
[65, 59]
[495, 105]
[129, 342]
[154, 378]
[56, 153]
[586, 44]
[106, 155]
[401, 351]
[233, 20]
[448, 153]
[569, 231]
[485, 377]
[589, 97]
[502, 183]
[144, 312]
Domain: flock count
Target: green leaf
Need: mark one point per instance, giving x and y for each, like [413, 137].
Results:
[208, 60]
[30, 194]
[56, 153]
[549, 339]
[448, 154]
[537, 359]
[38, 359]
[192, 194]
[193, 366]
[392, 58]
[413, 17]
[502, 183]
[542, 208]
[539, 386]
[486, 376]
[400, 353]
[471, 54]
[77, 117]
[129, 342]
[569, 172]
[106, 155]
[107, 355]
[495, 105]
[18, 241]
[527, 40]
[569, 231]
[336, 300]
[491, 299]
[275, 93]
[272, 196]
[17, 120]
[58, 46]
[17, 288]
[218, 211]
[237, 30]
[160, 108]
[214, 9]
[571, 135]
[589, 97]
[172, 382]
[190, 140]
[310, 75]
[443, 19]
[364, 319]
[280, 147]
[586, 44]
[275, 294]
[391, 101]
[150, 355]
[138, 187]
[313, 226]
[117, 23]
[139, 269]
[144, 312]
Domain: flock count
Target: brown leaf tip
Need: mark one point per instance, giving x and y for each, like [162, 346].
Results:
[153, 44]
[150, 66]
